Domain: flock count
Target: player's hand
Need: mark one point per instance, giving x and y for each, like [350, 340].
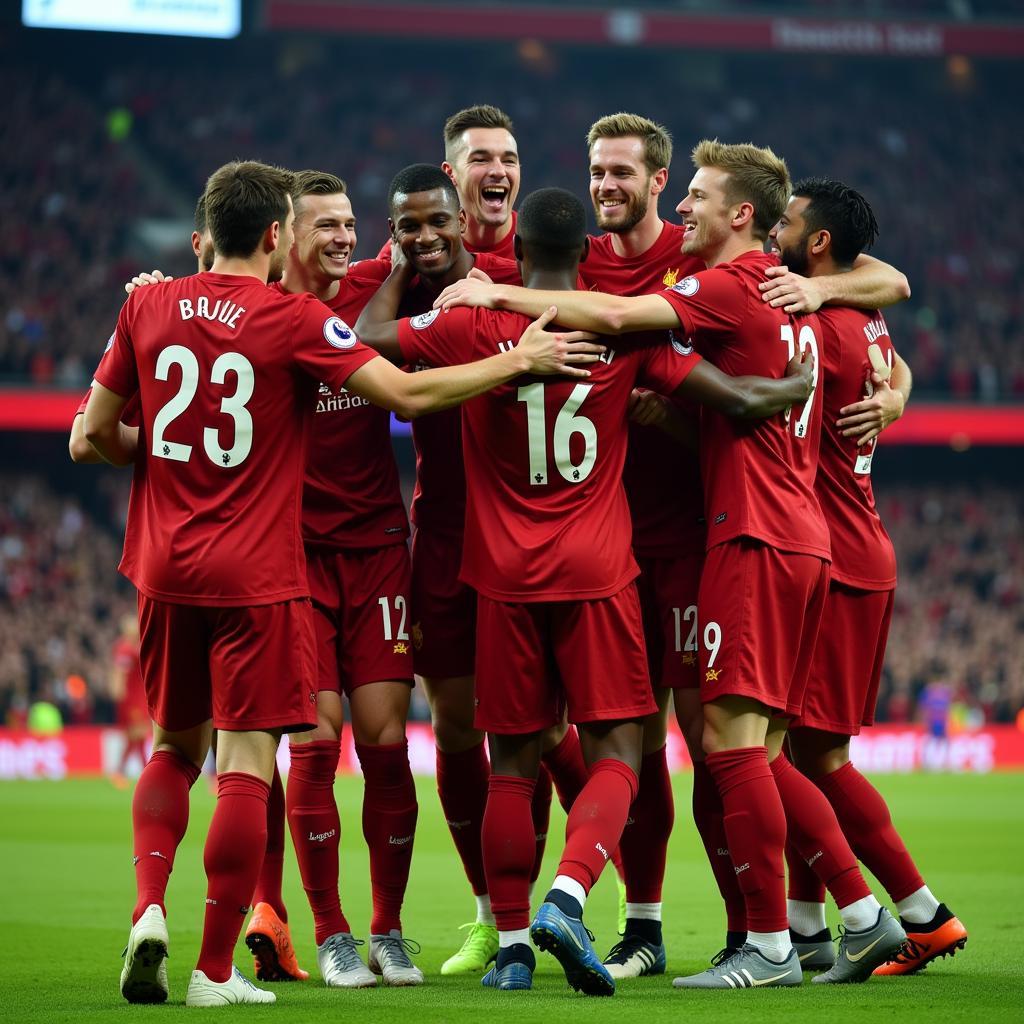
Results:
[647, 408]
[397, 255]
[793, 292]
[802, 365]
[475, 289]
[867, 419]
[556, 352]
[141, 280]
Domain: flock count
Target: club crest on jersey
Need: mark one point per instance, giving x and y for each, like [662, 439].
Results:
[688, 286]
[424, 319]
[683, 348]
[670, 278]
[338, 333]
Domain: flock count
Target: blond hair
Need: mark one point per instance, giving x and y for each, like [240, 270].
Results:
[756, 176]
[657, 141]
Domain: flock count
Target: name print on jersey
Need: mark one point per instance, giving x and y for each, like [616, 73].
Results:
[228, 313]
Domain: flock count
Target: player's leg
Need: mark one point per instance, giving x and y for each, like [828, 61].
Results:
[748, 638]
[311, 808]
[263, 679]
[377, 673]
[173, 649]
[444, 644]
[517, 699]
[509, 850]
[608, 694]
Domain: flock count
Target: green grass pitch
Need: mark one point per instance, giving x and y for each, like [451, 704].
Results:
[67, 892]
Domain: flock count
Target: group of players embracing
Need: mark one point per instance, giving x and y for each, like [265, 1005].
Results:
[657, 493]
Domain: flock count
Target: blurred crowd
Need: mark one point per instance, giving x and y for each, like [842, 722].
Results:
[958, 624]
[91, 158]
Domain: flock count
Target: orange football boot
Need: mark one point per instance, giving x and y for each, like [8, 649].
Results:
[943, 935]
[270, 943]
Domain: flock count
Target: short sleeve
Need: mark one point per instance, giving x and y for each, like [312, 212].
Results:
[665, 362]
[117, 370]
[439, 339]
[710, 305]
[324, 346]
[359, 286]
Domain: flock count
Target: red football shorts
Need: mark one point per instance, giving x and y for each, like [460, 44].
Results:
[847, 664]
[361, 614]
[668, 602]
[444, 608]
[535, 660]
[759, 610]
[246, 668]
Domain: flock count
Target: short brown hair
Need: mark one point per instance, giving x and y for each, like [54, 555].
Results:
[756, 176]
[655, 137]
[483, 115]
[316, 183]
[243, 198]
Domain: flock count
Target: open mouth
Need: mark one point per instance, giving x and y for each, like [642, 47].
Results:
[429, 257]
[339, 259]
[494, 197]
[611, 205]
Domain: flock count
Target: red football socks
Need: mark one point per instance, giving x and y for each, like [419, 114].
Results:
[755, 826]
[159, 820]
[462, 787]
[268, 885]
[865, 819]
[509, 850]
[596, 821]
[644, 843]
[389, 827]
[815, 834]
[540, 812]
[804, 885]
[567, 767]
[316, 831]
[708, 817]
[233, 854]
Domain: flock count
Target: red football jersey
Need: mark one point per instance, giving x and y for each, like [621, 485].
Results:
[505, 249]
[352, 497]
[131, 413]
[862, 554]
[662, 477]
[758, 474]
[226, 369]
[546, 512]
[439, 501]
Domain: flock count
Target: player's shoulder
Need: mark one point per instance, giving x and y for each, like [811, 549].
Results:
[848, 318]
[366, 270]
[498, 268]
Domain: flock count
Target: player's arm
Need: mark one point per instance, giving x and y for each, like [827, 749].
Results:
[414, 394]
[868, 418]
[871, 284]
[82, 453]
[377, 325]
[113, 441]
[650, 409]
[582, 311]
[750, 397]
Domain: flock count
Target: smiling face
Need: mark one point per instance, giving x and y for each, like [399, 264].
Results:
[706, 213]
[428, 227]
[620, 183]
[790, 234]
[485, 169]
[325, 236]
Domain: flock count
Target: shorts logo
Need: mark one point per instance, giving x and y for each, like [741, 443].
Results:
[424, 319]
[688, 286]
[400, 648]
[721, 518]
[417, 636]
[712, 674]
[683, 348]
[690, 658]
[338, 333]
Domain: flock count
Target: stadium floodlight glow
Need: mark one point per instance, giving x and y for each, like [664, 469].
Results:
[214, 19]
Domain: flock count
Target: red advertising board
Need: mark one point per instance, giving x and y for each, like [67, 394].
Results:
[96, 750]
